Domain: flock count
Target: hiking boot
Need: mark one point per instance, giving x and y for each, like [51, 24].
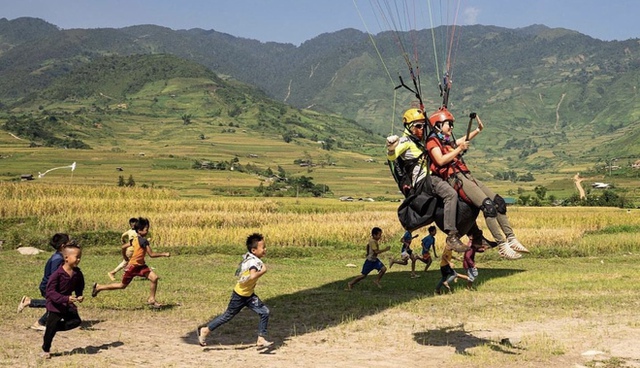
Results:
[517, 246]
[454, 243]
[505, 251]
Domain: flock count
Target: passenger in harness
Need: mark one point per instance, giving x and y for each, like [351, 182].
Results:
[410, 156]
[446, 163]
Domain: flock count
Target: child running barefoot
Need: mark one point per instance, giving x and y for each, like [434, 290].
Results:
[137, 265]
[406, 254]
[449, 275]
[249, 271]
[372, 262]
[63, 313]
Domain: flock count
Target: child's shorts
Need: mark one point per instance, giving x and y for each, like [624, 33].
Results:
[406, 254]
[369, 266]
[472, 273]
[132, 271]
[426, 257]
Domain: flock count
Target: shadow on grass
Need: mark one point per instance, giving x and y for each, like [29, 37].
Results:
[330, 305]
[462, 340]
[87, 325]
[90, 350]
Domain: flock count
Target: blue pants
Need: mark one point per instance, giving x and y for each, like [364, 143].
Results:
[236, 304]
[448, 275]
[40, 303]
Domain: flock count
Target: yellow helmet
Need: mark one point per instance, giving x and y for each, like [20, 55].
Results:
[412, 115]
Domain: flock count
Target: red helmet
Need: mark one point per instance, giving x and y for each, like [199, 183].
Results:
[437, 118]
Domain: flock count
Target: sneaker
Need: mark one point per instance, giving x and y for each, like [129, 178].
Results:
[37, 326]
[505, 251]
[45, 355]
[517, 246]
[454, 243]
[263, 343]
[24, 302]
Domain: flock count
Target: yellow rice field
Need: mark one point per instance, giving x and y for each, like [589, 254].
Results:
[289, 222]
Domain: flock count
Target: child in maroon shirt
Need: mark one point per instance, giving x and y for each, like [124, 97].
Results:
[469, 262]
[63, 313]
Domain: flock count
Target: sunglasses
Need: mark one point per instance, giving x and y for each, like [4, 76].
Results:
[450, 122]
[418, 126]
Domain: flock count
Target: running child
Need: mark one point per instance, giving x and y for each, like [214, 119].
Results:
[53, 263]
[372, 262]
[65, 281]
[249, 271]
[126, 238]
[137, 265]
[428, 243]
[406, 254]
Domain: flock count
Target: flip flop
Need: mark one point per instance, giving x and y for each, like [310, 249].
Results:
[201, 339]
[155, 305]
[94, 291]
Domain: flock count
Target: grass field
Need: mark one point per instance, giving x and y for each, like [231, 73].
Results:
[575, 293]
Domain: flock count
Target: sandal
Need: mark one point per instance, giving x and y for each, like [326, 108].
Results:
[201, 339]
[94, 291]
[155, 305]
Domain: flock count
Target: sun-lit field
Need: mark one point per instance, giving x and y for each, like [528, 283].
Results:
[550, 306]
[321, 225]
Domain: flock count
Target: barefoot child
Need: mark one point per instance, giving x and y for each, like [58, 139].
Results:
[449, 275]
[126, 239]
[249, 271]
[372, 262]
[406, 254]
[63, 313]
[137, 265]
[428, 243]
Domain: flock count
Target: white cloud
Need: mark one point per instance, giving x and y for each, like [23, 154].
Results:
[470, 15]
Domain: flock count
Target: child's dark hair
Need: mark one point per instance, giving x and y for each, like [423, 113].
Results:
[58, 240]
[375, 231]
[432, 228]
[141, 224]
[253, 240]
[71, 244]
[133, 221]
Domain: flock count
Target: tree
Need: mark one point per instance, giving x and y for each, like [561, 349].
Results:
[541, 191]
[186, 119]
[131, 182]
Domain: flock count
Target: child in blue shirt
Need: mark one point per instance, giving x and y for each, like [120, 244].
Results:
[54, 262]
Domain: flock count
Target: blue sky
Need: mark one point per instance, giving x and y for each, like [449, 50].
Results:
[295, 21]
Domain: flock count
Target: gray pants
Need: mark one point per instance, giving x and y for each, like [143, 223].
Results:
[477, 193]
[443, 190]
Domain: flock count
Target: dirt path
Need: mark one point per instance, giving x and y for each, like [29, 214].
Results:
[388, 339]
[578, 180]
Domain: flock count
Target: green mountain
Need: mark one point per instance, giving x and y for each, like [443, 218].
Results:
[165, 86]
[552, 99]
